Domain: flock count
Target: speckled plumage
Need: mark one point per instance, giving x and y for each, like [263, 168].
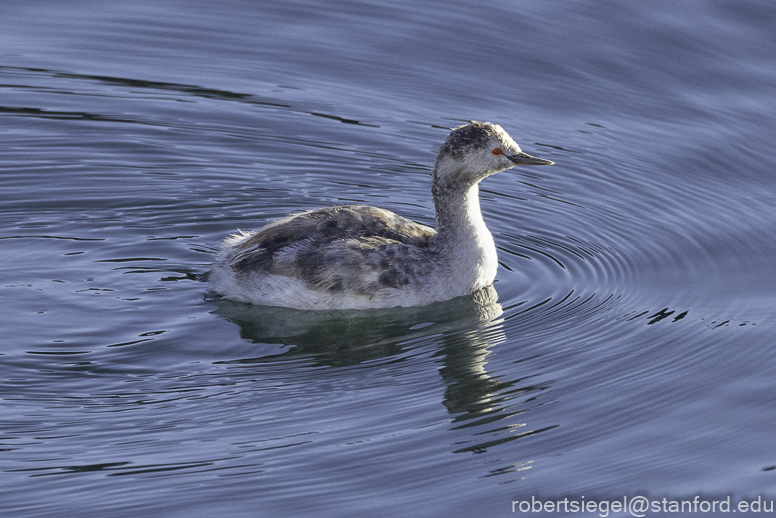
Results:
[355, 256]
[322, 246]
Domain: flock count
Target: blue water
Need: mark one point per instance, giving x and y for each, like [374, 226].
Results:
[627, 347]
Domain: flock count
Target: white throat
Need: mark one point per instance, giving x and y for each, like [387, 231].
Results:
[463, 240]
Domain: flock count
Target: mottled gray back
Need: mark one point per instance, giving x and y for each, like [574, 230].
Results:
[317, 229]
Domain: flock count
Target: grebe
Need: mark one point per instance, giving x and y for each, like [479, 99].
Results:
[360, 257]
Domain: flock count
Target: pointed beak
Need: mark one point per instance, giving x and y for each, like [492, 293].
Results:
[526, 159]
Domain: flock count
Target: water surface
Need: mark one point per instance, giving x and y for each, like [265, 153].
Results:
[627, 347]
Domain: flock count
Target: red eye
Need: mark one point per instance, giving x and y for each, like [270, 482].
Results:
[497, 151]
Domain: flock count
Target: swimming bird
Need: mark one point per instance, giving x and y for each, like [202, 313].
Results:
[360, 257]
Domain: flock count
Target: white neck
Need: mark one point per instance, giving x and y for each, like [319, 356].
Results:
[463, 240]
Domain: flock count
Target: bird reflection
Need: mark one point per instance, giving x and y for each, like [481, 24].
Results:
[348, 337]
[466, 326]
[466, 329]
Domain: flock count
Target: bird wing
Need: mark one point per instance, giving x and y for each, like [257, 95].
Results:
[306, 238]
